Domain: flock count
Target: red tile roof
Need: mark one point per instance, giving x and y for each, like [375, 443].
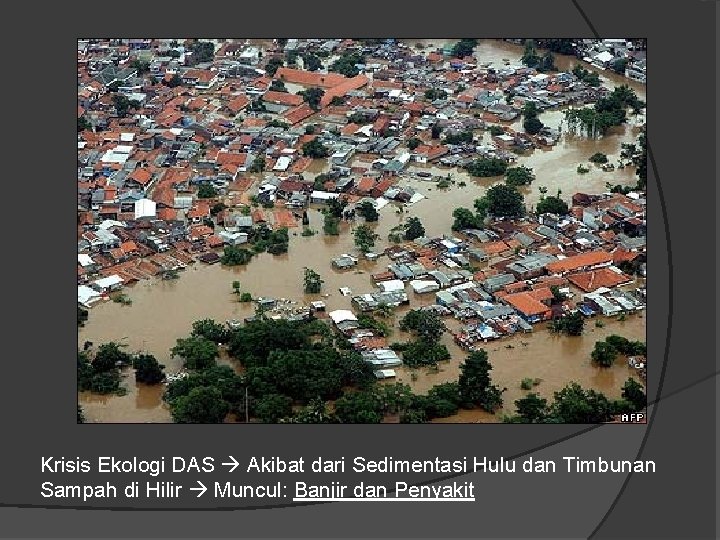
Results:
[582, 260]
[282, 98]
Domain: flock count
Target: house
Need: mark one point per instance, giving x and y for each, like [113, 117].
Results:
[344, 261]
[578, 263]
[107, 284]
[533, 306]
[601, 278]
[531, 266]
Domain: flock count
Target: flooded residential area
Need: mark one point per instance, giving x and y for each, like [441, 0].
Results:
[441, 230]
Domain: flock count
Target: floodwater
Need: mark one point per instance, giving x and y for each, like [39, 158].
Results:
[164, 310]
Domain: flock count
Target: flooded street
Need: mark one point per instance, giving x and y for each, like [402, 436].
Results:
[164, 310]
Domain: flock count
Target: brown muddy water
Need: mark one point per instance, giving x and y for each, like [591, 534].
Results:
[164, 310]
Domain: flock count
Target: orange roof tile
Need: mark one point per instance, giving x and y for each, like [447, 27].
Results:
[603, 277]
[579, 261]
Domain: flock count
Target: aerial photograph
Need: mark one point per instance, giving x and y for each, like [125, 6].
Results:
[341, 230]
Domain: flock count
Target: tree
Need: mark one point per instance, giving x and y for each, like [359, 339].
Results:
[558, 297]
[464, 47]
[365, 238]
[496, 130]
[122, 105]
[203, 405]
[206, 191]
[619, 66]
[331, 225]
[312, 62]
[485, 167]
[216, 208]
[432, 94]
[197, 352]
[82, 316]
[359, 408]
[314, 413]
[109, 357]
[312, 281]
[203, 51]
[633, 392]
[272, 408]
[532, 408]
[598, 157]
[571, 324]
[552, 205]
[336, 207]
[475, 384]
[427, 325]
[412, 143]
[174, 81]
[533, 125]
[435, 131]
[313, 97]
[547, 62]
[148, 370]
[530, 57]
[210, 329]
[504, 201]
[414, 229]
[519, 176]
[258, 164]
[424, 353]
[465, 219]
[347, 64]
[315, 149]
[575, 405]
[83, 124]
[273, 65]
[234, 256]
[367, 210]
[246, 297]
[604, 354]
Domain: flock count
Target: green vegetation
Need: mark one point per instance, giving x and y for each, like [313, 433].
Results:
[312, 282]
[501, 201]
[485, 167]
[598, 157]
[532, 59]
[432, 94]
[315, 149]
[331, 225]
[414, 229]
[571, 405]
[206, 191]
[496, 130]
[605, 352]
[82, 315]
[364, 238]
[464, 48]
[312, 62]
[246, 297]
[258, 165]
[148, 370]
[412, 143]
[607, 112]
[466, 219]
[197, 352]
[634, 394]
[531, 122]
[367, 210]
[591, 78]
[272, 66]
[572, 324]
[210, 330]
[475, 386]
[463, 137]
[203, 51]
[552, 205]
[313, 97]
[519, 176]
[581, 169]
[346, 64]
[234, 256]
